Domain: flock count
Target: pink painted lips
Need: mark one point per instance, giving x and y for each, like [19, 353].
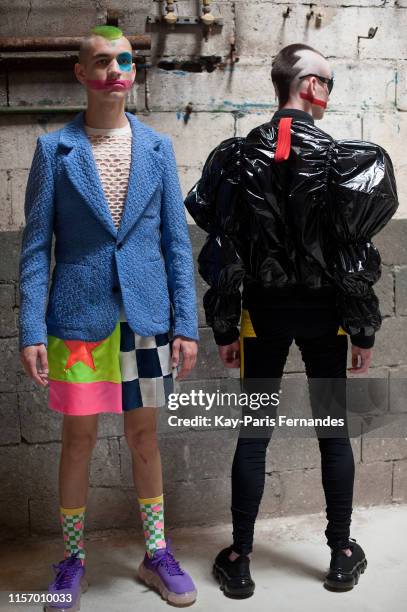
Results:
[112, 84]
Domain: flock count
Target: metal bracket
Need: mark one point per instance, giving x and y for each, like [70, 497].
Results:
[183, 20]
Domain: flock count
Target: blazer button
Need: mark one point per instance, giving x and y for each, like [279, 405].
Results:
[115, 289]
[119, 245]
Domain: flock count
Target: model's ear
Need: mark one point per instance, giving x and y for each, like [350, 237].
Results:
[80, 73]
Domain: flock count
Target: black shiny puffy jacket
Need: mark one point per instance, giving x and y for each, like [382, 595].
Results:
[292, 208]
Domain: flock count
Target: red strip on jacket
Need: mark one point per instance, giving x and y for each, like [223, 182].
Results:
[284, 139]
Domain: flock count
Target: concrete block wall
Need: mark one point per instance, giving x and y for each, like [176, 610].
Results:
[369, 101]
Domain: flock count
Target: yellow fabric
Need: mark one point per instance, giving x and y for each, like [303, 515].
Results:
[72, 511]
[151, 500]
[246, 331]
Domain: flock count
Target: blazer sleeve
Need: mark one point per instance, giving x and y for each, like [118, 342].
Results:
[36, 244]
[177, 249]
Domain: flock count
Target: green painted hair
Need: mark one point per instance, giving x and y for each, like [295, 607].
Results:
[107, 31]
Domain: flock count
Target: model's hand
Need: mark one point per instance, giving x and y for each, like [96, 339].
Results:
[29, 356]
[189, 350]
[230, 354]
[361, 359]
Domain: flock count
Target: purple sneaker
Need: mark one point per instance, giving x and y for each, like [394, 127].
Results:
[163, 573]
[68, 585]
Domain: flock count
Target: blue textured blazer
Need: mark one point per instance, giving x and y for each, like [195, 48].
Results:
[146, 263]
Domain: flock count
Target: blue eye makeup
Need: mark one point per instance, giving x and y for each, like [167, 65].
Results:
[125, 61]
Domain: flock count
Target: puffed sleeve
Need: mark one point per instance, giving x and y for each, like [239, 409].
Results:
[214, 204]
[362, 198]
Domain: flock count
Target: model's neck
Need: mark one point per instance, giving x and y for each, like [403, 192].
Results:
[302, 105]
[109, 116]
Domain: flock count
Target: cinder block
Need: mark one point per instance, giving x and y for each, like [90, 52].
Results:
[299, 453]
[336, 37]
[188, 176]
[18, 183]
[301, 491]
[387, 351]
[44, 514]
[398, 389]
[10, 424]
[292, 453]
[29, 469]
[17, 141]
[26, 88]
[3, 88]
[209, 364]
[367, 395]
[189, 456]
[9, 365]
[389, 41]
[14, 522]
[110, 425]
[401, 90]
[112, 507]
[401, 290]
[341, 125]
[38, 422]
[6, 217]
[391, 242]
[342, 3]
[353, 88]
[245, 87]
[25, 21]
[190, 150]
[384, 290]
[373, 484]
[8, 323]
[198, 237]
[105, 464]
[9, 255]
[184, 505]
[400, 481]
[386, 442]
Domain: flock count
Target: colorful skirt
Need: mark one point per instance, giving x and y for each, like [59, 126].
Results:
[119, 373]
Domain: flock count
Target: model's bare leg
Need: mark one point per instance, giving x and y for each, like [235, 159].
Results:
[140, 429]
[79, 435]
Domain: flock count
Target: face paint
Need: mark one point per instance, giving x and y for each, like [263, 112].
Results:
[102, 84]
[125, 60]
[313, 100]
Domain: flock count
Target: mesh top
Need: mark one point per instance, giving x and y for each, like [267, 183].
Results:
[112, 152]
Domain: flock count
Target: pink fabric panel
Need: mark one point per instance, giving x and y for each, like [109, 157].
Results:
[87, 398]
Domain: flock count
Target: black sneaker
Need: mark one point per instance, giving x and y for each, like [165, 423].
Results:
[344, 571]
[233, 576]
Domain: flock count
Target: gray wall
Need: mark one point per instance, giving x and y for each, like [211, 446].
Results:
[369, 101]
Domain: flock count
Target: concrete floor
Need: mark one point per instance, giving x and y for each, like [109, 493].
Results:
[289, 563]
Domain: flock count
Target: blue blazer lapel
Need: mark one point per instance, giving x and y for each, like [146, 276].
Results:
[82, 171]
[144, 179]
[145, 173]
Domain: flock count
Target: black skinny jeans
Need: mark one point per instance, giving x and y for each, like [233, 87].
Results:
[324, 353]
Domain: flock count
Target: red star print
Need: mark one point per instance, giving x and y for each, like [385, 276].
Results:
[81, 351]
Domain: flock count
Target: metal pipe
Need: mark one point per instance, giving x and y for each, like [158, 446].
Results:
[60, 43]
[44, 110]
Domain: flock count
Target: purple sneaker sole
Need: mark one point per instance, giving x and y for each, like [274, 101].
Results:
[151, 579]
[76, 605]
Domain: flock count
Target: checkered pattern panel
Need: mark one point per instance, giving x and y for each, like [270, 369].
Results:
[145, 364]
